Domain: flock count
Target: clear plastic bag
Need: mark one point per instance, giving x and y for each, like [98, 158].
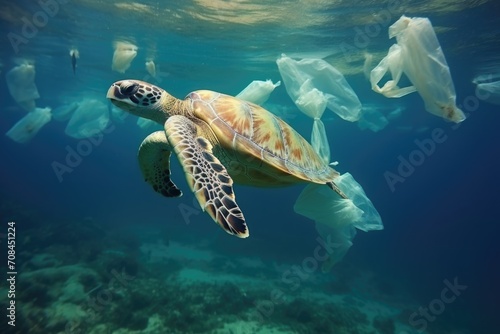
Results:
[340, 98]
[336, 217]
[89, 119]
[28, 126]
[487, 89]
[419, 56]
[64, 112]
[258, 91]
[21, 85]
[314, 85]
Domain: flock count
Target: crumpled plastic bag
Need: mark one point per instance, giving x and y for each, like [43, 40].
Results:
[258, 91]
[28, 126]
[314, 85]
[419, 56]
[122, 57]
[336, 217]
[21, 85]
[487, 89]
[64, 112]
[339, 96]
[90, 118]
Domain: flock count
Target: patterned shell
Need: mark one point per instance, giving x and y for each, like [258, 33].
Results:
[257, 147]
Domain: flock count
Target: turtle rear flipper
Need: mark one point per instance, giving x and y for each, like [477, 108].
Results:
[207, 177]
[154, 161]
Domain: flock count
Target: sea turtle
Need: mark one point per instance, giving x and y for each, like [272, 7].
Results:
[218, 139]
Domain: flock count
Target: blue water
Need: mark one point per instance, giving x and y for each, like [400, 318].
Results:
[74, 233]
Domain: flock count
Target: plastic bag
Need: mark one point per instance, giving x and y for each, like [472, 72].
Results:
[21, 85]
[313, 103]
[487, 89]
[258, 91]
[340, 98]
[372, 118]
[89, 119]
[28, 126]
[151, 68]
[336, 217]
[419, 56]
[64, 112]
[313, 86]
[123, 56]
[393, 63]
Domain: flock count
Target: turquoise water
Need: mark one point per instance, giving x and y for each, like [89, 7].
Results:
[97, 251]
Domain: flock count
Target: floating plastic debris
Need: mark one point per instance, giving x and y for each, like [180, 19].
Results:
[28, 126]
[64, 112]
[419, 56]
[89, 119]
[488, 88]
[258, 91]
[21, 85]
[336, 217]
[123, 56]
[151, 68]
[314, 85]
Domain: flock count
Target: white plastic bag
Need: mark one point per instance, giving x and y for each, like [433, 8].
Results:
[258, 91]
[419, 56]
[393, 63]
[21, 85]
[28, 126]
[122, 57]
[89, 119]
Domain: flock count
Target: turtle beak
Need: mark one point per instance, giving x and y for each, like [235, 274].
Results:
[122, 90]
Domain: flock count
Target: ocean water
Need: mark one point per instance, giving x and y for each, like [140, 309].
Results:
[97, 251]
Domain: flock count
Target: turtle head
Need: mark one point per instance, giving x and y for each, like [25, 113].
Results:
[139, 98]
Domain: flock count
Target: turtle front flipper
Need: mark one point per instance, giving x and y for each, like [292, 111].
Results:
[154, 161]
[207, 177]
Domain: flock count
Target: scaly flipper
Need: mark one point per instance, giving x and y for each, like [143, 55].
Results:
[154, 161]
[207, 177]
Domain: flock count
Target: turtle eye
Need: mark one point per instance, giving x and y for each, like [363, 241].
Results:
[130, 89]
